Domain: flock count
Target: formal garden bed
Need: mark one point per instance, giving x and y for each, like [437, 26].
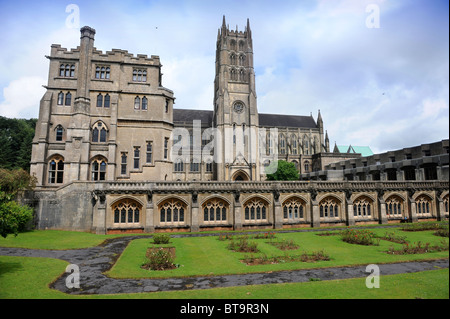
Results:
[418, 248]
[304, 257]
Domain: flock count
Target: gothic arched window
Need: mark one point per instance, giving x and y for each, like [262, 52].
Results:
[56, 170]
[107, 100]
[60, 98]
[172, 211]
[215, 210]
[362, 207]
[329, 207]
[394, 206]
[294, 209]
[59, 133]
[68, 98]
[98, 169]
[282, 144]
[99, 132]
[423, 205]
[127, 211]
[256, 210]
[137, 103]
[144, 103]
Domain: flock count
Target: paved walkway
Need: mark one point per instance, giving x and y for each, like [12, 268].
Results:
[93, 262]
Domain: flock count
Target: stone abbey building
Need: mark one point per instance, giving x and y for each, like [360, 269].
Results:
[112, 154]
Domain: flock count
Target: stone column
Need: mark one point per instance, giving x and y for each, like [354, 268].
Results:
[194, 218]
[100, 214]
[382, 211]
[440, 210]
[413, 215]
[277, 215]
[315, 215]
[149, 225]
[237, 212]
[349, 213]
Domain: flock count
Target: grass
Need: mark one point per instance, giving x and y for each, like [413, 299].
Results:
[202, 256]
[53, 239]
[28, 278]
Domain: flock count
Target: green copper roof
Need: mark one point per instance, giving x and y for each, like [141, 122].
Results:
[363, 150]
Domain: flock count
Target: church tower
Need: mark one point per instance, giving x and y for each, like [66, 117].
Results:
[235, 110]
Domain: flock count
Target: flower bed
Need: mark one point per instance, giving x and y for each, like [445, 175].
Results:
[243, 245]
[305, 257]
[159, 258]
[360, 237]
[285, 244]
[394, 238]
[425, 226]
[418, 248]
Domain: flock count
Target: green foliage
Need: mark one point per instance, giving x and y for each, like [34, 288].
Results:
[418, 248]
[360, 237]
[159, 259]
[242, 244]
[13, 216]
[425, 226]
[161, 239]
[285, 171]
[12, 181]
[16, 136]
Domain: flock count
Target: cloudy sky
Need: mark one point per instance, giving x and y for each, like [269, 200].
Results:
[378, 70]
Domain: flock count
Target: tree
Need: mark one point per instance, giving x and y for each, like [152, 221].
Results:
[283, 171]
[16, 136]
[14, 217]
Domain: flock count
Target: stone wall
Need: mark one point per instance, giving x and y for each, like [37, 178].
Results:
[112, 207]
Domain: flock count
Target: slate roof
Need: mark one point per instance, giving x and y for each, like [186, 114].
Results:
[268, 120]
[274, 120]
[182, 115]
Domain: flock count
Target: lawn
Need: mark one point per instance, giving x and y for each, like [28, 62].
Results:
[26, 277]
[53, 239]
[200, 256]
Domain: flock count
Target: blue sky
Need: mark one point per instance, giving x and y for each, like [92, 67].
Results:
[385, 87]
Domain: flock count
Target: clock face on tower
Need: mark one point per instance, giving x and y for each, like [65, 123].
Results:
[238, 107]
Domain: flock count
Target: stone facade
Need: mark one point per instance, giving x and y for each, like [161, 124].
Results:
[125, 206]
[107, 116]
[111, 154]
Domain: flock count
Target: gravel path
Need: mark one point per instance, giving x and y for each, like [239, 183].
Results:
[93, 262]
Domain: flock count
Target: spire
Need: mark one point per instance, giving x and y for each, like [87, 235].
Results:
[224, 27]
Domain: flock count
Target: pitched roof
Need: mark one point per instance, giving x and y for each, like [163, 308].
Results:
[286, 120]
[363, 150]
[271, 120]
[182, 115]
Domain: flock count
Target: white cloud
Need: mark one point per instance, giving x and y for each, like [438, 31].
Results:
[22, 97]
[432, 108]
[377, 87]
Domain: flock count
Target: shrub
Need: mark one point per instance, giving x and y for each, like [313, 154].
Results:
[159, 259]
[13, 217]
[268, 235]
[425, 226]
[418, 248]
[442, 232]
[242, 244]
[161, 239]
[285, 244]
[360, 237]
[394, 238]
[225, 237]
